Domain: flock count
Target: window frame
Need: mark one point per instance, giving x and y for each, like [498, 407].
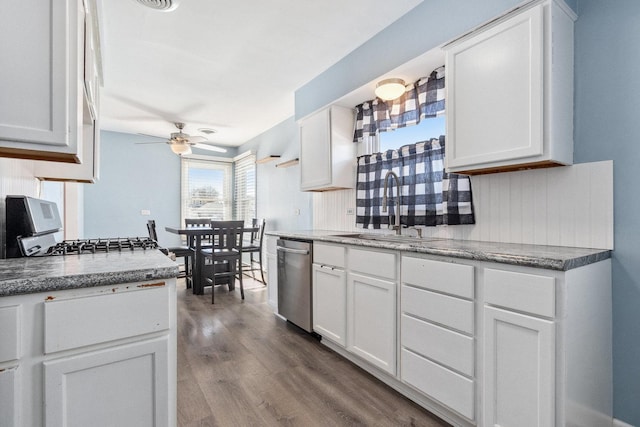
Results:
[245, 189]
[213, 163]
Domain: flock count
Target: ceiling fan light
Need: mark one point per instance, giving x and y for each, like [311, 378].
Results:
[180, 149]
[389, 89]
[160, 5]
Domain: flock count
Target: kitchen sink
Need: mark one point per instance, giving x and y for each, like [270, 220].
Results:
[383, 237]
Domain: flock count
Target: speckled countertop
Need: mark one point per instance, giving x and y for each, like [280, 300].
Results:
[45, 274]
[546, 257]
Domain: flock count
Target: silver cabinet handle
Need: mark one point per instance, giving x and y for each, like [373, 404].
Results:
[293, 251]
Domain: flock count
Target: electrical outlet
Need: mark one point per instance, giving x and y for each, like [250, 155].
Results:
[350, 211]
[145, 212]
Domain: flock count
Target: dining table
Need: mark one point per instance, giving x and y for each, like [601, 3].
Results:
[195, 236]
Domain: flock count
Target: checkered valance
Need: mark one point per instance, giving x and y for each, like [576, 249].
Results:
[424, 99]
[429, 195]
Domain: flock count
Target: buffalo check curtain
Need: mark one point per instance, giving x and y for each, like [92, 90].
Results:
[425, 98]
[429, 196]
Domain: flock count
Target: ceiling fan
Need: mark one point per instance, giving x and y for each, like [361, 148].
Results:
[181, 142]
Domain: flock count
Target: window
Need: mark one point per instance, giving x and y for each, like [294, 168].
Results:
[206, 189]
[428, 128]
[244, 201]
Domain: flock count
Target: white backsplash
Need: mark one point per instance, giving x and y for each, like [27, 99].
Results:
[16, 178]
[564, 206]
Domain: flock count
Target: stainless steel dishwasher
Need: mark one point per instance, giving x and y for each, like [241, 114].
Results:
[294, 282]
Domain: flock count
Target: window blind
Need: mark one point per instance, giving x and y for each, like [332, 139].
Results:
[244, 200]
[206, 189]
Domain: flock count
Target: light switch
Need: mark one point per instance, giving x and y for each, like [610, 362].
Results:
[146, 212]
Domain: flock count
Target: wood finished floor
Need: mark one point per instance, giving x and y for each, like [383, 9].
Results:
[239, 365]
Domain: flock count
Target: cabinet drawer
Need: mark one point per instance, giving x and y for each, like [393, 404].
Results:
[9, 333]
[442, 345]
[453, 390]
[332, 255]
[520, 291]
[373, 263]
[443, 309]
[78, 322]
[447, 277]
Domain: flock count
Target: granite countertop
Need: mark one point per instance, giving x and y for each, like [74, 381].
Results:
[51, 273]
[538, 256]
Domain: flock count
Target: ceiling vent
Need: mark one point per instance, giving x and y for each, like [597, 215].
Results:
[161, 5]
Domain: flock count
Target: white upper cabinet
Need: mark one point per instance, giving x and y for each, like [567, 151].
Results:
[510, 92]
[327, 153]
[42, 84]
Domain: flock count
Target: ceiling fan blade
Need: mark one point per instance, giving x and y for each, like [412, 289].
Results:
[210, 148]
[152, 142]
[152, 136]
[196, 139]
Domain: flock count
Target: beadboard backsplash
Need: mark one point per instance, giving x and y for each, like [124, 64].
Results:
[16, 178]
[565, 206]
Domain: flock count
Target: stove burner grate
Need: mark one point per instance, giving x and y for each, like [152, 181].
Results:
[118, 244]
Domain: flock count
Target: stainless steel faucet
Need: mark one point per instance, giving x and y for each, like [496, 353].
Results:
[396, 226]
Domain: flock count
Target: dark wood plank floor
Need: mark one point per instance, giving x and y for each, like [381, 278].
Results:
[239, 365]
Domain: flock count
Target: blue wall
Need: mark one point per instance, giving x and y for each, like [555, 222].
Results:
[607, 126]
[607, 103]
[132, 178]
[135, 177]
[278, 189]
[428, 25]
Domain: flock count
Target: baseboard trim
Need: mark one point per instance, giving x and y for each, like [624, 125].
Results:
[618, 423]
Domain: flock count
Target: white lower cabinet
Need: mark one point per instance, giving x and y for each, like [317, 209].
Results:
[519, 369]
[546, 346]
[96, 356]
[272, 281]
[330, 292]
[479, 343]
[272, 272]
[371, 320]
[355, 304]
[120, 386]
[437, 347]
[329, 303]
[9, 397]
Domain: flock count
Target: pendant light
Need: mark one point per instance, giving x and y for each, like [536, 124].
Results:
[389, 89]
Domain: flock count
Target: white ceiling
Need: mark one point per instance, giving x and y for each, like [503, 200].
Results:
[231, 65]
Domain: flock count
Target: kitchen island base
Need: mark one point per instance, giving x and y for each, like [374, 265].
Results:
[90, 356]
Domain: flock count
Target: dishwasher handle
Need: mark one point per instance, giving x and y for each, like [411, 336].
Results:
[292, 251]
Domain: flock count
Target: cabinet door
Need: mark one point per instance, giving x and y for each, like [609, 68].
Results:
[519, 370]
[44, 77]
[371, 320]
[495, 93]
[9, 398]
[329, 303]
[120, 386]
[272, 281]
[87, 170]
[315, 151]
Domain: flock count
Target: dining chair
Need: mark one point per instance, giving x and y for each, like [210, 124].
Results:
[198, 222]
[225, 254]
[179, 251]
[254, 247]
